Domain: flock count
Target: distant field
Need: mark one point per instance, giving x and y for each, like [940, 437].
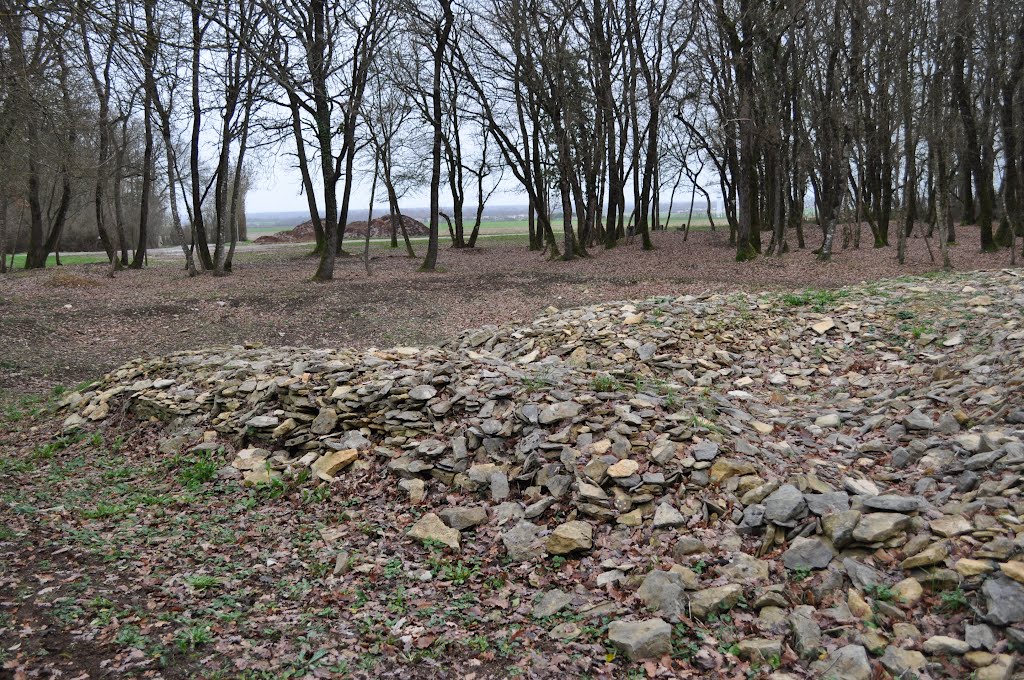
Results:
[19, 260]
[506, 226]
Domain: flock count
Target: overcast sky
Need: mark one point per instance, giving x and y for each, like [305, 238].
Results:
[277, 187]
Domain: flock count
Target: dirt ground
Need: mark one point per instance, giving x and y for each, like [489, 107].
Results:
[62, 326]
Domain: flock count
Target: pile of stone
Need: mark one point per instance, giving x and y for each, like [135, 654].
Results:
[874, 442]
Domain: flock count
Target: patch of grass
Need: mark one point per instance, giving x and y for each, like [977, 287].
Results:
[880, 592]
[198, 470]
[604, 383]
[953, 600]
[799, 574]
[192, 637]
[129, 636]
[202, 582]
[104, 510]
[818, 300]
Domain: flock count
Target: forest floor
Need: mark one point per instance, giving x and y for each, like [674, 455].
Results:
[738, 485]
[60, 326]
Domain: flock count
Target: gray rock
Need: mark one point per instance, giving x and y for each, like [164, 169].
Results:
[891, 503]
[325, 421]
[752, 520]
[846, 663]
[715, 600]
[550, 603]
[667, 517]
[559, 411]
[785, 505]
[860, 574]
[742, 568]
[638, 640]
[806, 632]
[822, 504]
[499, 486]
[916, 420]
[808, 553]
[705, 451]
[463, 518]
[522, 542]
[980, 637]
[687, 545]
[1005, 600]
[422, 392]
[875, 527]
[262, 422]
[839, 527]
[662, 591]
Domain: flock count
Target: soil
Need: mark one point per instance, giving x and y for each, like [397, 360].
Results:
[60, 327]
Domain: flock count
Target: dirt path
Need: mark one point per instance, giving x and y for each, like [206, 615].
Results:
[72, 324]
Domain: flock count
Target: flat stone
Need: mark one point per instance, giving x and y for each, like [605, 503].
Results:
[950, 525]
[416, 488]
[808, 553]
[875, 527]
[522, 542]
[908, 591]
[890, 503]
[916, 420]
[550, 603]
[806, 632]
[259, 476]
[979, 636]
[624, 468]
[262, 422]
[687, 545]
[722, 470]
[823, 326]
[1014, 570]
[463, 518]
[945, 646]
[839, 527]
[715, 600]
[1005, 600]
[662, 591]
[968, 567]
[571, 537]
[902, 662]
[933, 554]
[759, 649]
[822, 504]
[431, 528]
[559, 411]
[828, 420]
[742, 568]
[785, 505]
[325, 421]
[422, 392]
[667, 517]
[846, 663]
[638, 640]
[1000, 669]
[705, 451]
[328, 465]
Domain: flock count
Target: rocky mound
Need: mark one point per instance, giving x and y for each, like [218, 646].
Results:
[379, 228]
[836, 474]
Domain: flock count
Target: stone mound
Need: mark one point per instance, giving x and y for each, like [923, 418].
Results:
[379, 228]
[870, 439]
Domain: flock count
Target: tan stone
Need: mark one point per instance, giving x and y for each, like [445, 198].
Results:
[330, 464]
